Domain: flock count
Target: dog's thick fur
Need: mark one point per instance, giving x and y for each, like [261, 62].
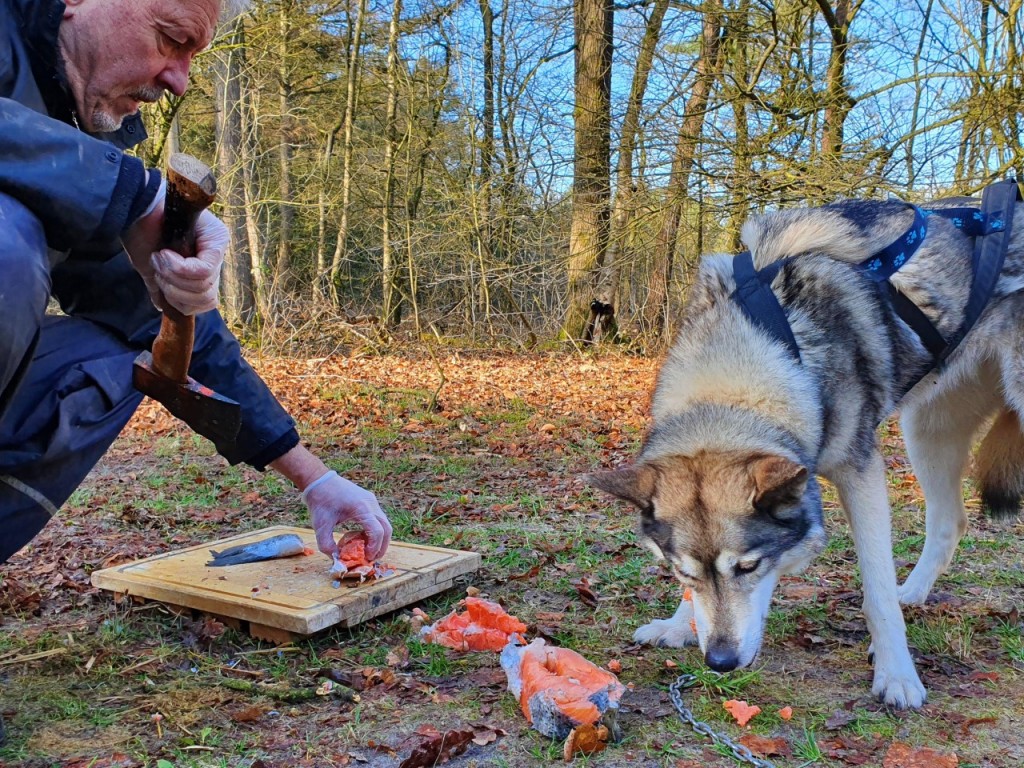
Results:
[726, 480]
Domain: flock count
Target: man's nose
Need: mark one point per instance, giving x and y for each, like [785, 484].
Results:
[174, 77]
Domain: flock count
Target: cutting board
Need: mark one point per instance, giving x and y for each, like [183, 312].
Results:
[291, 596]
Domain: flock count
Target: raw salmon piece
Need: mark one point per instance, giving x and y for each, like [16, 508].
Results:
[483, 626]
[558, 689]
[742, 711]
[351, 561]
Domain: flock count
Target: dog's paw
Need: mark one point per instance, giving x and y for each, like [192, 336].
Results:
[666, 633]
[913, 591]
[899, 688]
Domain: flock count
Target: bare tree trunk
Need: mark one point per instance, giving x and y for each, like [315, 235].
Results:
[286, 212]
[352, 72]
[412, 204]
[603, 309]
[709, 66]
[839, 102]
[392, 309]
[588, 235]
[485, 241]
[259, 267]
[239, 299]
[321, 270]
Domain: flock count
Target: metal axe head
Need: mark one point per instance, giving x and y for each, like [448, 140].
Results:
[211, 415]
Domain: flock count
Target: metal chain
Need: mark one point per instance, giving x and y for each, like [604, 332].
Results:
[740, 752]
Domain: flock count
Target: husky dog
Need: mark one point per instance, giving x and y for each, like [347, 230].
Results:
[726, 481]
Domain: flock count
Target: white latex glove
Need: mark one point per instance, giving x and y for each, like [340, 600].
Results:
[332, 500]
[190, 285]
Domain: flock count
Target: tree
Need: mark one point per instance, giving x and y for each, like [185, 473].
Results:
[591, 193]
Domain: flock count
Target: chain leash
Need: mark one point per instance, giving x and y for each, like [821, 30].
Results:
[740, 752]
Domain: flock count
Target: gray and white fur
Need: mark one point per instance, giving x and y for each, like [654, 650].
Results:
[725, 480]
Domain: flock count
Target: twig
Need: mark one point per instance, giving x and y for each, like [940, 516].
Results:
[34, 656]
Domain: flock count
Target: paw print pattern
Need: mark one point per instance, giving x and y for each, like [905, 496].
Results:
[898, 261]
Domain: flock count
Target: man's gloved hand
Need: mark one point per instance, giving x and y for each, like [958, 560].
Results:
[332, 500]
[190, 285]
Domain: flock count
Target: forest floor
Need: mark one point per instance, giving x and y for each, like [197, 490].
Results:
[484, 452]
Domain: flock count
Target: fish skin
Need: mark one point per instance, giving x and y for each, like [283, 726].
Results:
[283, 545]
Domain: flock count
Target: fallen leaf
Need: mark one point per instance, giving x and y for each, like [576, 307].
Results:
[764, 746]
[247, 715]
[839, 719]
[902, 755]
[585, 740]
[437, 747]
[484, 734]
[741, 711]
[586, 594]
[398, 657]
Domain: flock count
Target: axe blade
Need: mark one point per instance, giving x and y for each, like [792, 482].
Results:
[211, 415]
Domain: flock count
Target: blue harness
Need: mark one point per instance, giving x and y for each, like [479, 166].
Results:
[990, 226]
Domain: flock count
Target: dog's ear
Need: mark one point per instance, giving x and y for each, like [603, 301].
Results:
[634, 484]
[779, 484]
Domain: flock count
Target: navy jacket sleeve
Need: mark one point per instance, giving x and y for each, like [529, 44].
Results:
[113, 295]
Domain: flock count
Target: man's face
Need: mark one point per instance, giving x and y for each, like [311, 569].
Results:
[120, 53]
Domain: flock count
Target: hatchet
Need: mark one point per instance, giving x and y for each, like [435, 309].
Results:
[163, 373]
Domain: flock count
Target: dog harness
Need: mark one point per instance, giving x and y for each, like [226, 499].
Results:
[989, 226]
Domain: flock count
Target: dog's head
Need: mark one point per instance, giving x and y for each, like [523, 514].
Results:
[729, 524]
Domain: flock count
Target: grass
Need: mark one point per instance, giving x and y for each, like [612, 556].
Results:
[512, 493]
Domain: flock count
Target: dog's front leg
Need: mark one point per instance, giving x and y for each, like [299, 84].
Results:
[675, 632]
[864, 497]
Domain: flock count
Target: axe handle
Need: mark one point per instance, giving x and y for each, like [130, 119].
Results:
[190, 190]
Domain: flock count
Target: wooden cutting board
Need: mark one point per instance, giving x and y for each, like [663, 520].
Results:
[289, 596]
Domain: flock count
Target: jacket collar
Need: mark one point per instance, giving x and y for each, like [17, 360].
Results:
[39, 22]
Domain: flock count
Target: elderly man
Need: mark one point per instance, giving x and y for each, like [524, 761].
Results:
[80, 222]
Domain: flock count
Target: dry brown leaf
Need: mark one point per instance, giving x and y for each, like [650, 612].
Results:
[437, 747]
[902, 755]
[486, 734]
[247, 715]
[763, 746]
[585, 740]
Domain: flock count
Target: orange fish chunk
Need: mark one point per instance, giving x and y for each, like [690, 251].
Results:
[742, 711]
[558, 689]
[483, 626]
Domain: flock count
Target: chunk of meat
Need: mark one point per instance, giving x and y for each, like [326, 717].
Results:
[483, 626]
[558, 689]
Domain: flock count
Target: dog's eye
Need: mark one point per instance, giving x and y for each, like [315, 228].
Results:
[748, 566]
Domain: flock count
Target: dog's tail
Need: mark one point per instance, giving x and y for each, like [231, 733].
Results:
[999, 466]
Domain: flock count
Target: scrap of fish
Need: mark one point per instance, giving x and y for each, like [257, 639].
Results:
[284, 545]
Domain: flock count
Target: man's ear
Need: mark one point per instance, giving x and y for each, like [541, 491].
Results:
[779, 483]
[634, 484]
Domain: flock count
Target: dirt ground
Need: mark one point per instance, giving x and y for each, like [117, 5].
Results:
[485, 452]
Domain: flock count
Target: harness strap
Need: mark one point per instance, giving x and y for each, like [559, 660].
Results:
[884, 264]
[757, 300]
[990, 226]
[998, 202]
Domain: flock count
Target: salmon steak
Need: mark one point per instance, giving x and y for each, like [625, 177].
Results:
[559, 690]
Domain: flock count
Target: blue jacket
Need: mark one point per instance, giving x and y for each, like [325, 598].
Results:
[85, 190]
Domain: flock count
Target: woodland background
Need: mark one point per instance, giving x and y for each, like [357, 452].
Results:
[542, 171]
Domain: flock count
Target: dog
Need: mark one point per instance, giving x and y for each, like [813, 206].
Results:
[727, 477]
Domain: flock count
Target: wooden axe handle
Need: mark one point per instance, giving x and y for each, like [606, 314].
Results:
[190, 189]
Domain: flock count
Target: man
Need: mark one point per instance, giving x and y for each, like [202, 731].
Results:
[80, 220]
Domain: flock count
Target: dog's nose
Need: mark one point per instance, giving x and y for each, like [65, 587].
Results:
[721, 657]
